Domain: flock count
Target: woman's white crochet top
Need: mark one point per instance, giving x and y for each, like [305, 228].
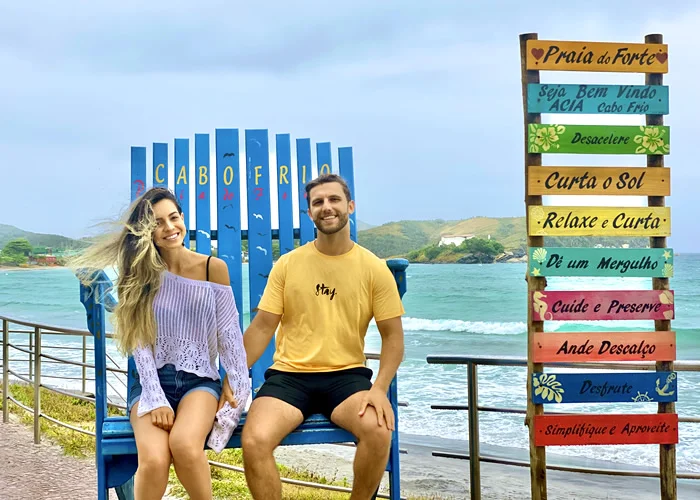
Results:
[196, 322]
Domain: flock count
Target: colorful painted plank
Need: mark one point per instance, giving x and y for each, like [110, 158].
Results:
[611, 387]
[599, 139]
[631, 181]
[285, 208]
[347, 172]
[586, 429]
[599, 221]
[602, 305]
[556, 55]
[138, 171]
[324, 158]
[564, 347]
[304, 175]
[597, 99]
[202, 188]
[622, 262]
[160, 165]
[182, 180]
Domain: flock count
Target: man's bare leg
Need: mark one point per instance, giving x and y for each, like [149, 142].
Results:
[373, 446]
[268, 422]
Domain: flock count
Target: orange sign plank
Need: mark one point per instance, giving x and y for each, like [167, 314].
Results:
[558, 55]
[631, 181]
[564, 430]
[562, 347]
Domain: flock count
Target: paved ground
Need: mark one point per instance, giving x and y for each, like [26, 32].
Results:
[37, 472]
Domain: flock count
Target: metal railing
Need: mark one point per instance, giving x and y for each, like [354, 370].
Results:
[36, 358]
[473, 408]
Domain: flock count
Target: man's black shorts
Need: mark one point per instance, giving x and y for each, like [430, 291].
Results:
[315, 392]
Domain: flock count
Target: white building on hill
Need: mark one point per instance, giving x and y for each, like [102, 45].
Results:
[454, 239]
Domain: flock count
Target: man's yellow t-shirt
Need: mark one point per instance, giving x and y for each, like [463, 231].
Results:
[326, 303]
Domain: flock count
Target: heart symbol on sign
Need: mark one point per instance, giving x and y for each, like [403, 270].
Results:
[662, 57]
[202, 196]
[538, 53]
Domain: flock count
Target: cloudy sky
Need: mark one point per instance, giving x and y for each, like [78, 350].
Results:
[428, 94]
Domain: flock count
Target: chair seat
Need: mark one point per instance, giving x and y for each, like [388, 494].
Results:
[118, 435]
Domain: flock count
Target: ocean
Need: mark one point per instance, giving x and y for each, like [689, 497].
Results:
[456, 309]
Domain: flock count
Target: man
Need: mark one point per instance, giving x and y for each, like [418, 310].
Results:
[323, 296]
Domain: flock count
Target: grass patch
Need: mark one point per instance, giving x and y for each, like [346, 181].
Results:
[225, 484]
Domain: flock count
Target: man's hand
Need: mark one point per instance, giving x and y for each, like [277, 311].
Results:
[385, 413]
[227, 395]
[163, 417]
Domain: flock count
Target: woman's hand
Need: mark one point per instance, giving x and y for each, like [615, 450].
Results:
[227, 395]
[163, 417]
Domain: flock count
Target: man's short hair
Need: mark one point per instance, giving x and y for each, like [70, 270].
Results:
[325, 179]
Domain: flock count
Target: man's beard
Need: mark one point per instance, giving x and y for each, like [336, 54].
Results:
[342, 221]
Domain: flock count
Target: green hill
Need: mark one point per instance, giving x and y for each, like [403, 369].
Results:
[55, 241]
[397, 239]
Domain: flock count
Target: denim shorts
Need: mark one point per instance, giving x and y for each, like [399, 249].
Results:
[176, 385]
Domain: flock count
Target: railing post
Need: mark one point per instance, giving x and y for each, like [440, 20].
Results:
[5, 370]
[473, 403]
[84, 361]
[37, 385]
[31, 357]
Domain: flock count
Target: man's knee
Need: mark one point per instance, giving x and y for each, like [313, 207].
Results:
[255, 440]
[377, 436]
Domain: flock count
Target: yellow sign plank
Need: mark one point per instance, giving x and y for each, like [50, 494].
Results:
[599, 221]
[634, 181]
[557, 55]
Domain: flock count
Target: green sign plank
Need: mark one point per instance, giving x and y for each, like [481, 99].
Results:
[599, 139]
[617, 262]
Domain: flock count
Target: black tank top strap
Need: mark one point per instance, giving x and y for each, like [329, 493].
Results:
[208, 259]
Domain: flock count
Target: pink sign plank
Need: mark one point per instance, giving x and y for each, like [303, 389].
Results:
[602, 305]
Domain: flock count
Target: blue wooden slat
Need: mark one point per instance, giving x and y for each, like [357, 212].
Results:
[228, 209]
[304, 175]
[324, 158]
[203, 175]
[285, 208]
[634, 387]
[182, 181]
[138, 171]
[597, 99]
[347, 172]
[160, 165]
[259, 233]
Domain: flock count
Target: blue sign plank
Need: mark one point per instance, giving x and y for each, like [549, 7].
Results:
[182, 181]
[202, 205]
[304, 175]
[285, 208]
[597, 99]
[611, 387]
[324, 158]
[160, 165]
[138, 171]
[347, 172]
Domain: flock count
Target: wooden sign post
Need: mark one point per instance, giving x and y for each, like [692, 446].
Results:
[652, 139]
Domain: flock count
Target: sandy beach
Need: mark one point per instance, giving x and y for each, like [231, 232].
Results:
[426, 475]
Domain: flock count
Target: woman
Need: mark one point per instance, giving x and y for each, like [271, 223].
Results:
[175, 313]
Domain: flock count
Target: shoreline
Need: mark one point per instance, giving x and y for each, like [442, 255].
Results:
[29, 268]
[447, 478]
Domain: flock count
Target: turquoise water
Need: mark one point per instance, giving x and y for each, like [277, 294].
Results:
[457, 309]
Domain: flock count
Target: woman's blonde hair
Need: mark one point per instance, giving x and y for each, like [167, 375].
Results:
[139, 267]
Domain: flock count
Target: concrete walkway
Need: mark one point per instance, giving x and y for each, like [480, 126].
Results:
[36, 472]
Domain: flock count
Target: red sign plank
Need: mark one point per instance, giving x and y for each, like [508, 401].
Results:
[604, 346]
[602, 305]
[564, 430]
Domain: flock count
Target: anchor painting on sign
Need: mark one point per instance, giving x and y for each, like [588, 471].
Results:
[562, 347]
[563, 430]
[602, 305]
[557, 55]
[597, 99]
[599, 221]
[620, 262]
[599, 139]
[635, 387]
[628, 181]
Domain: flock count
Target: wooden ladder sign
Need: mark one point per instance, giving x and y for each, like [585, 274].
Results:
[597, 99]
[602, 305]
[597, 56]
[625, 181]
[616, 262]
[599, 139]
[634, 387]
[599, 221]
[561, 347]
[565, 430]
